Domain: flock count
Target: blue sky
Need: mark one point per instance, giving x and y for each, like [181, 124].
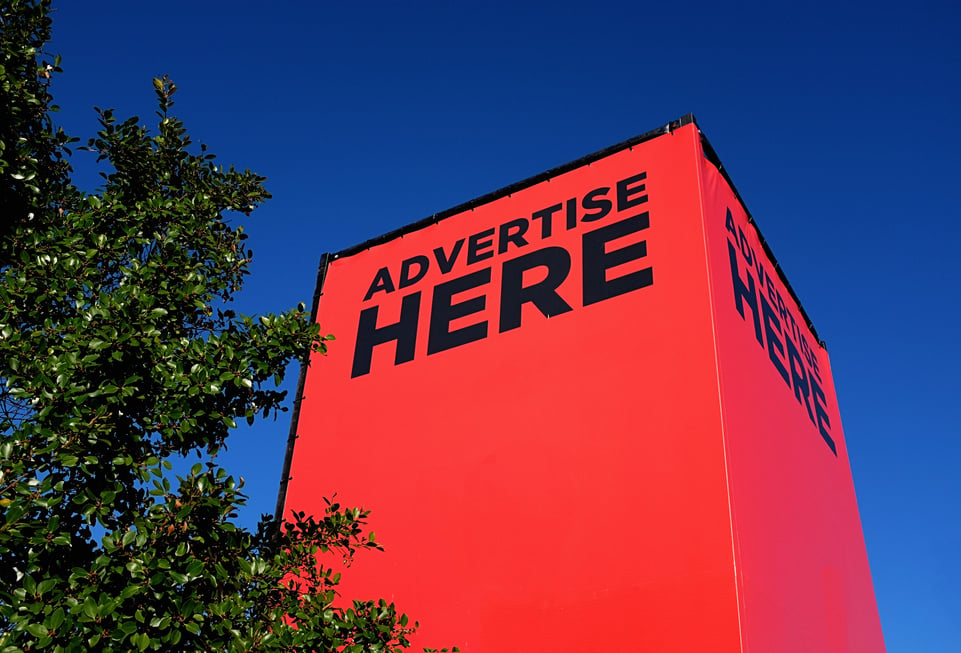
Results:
[836, 122]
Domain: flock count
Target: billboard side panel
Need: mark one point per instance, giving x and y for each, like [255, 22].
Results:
[525, 396]
[803, 571]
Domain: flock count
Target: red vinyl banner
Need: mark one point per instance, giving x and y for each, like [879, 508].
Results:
[803, 578]
[554, 407]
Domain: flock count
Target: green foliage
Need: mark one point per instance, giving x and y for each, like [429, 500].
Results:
[31, 151]
[118, 353]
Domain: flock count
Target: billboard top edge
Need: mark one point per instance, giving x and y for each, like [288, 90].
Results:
[686, 119]
[711, 155]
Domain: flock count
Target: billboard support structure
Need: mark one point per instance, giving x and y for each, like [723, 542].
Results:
[585, 397]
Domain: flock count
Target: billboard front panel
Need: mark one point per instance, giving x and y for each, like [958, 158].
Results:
[524, 394]
[804, 580]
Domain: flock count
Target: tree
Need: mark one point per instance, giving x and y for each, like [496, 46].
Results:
[118, 354]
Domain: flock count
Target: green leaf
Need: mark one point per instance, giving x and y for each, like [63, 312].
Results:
[56, 618]
[37, 630]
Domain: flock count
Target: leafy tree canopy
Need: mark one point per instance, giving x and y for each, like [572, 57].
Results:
[118, 354]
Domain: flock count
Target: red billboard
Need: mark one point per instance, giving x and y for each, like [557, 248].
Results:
[587, 410]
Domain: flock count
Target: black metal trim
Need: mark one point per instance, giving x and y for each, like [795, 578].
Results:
[516, 187]
[301, 381]
[712, 156]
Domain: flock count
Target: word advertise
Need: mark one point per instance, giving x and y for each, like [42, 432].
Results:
[776, 329]
[539, 277]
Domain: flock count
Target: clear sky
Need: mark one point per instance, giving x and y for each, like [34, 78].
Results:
[836, 121]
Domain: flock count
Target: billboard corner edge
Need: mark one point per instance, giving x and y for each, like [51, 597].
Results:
[324, 262]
